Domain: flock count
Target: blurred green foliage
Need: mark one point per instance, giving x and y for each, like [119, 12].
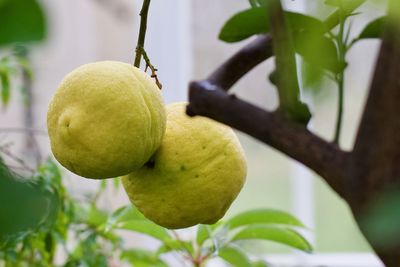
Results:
[25, 203]
[22, 21]
[321, 45]
[39, 220]
[13, 66]
[381, 221]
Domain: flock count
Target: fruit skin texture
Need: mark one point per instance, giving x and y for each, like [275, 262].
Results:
[194, 176]
[105, 120]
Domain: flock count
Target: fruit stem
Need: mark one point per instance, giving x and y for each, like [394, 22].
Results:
[140, 51]
[142, 32]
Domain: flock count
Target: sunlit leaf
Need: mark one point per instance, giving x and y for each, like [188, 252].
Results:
[203, 233]
[117, 182]
[313, 78]
[5, 88]
[95, 216]
[139, 258]
[318, 51]
[276, 234]
[345, 5]
[234, 256]
[145, 227]
[123, 214]
[263, 216]
[300, 22]
[175, 245]
[260, 264]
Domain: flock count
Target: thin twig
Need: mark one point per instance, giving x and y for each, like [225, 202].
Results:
[142, 32]
[152, 68]
[140, 51]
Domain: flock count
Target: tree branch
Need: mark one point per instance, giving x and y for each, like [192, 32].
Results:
[271, 128]
[242, 62]
[209, 98]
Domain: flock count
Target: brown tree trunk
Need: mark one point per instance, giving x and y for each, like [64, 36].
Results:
[376, 154]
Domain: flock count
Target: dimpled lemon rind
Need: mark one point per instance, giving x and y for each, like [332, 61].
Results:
[194, 176]
[105, 120]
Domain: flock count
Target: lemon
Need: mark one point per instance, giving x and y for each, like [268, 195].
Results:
[194, 176]
[105, 120]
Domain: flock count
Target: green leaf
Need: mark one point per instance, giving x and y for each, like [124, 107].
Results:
[145, 227]
[260, 264]
[203, 233]
[256, 21]
[102, 185]
[175, 245]
[31, 205]
[5, 88]
[21, 21]
[245, 24]
[123, 214]
[313, 78]
[234, 256]
[263, 216]
[373, 29]
[300, 22]
[139, 258]
[318, 51]
[347, 6]
[95, 216]
[276, 234]
[117, 182]
[334, 3]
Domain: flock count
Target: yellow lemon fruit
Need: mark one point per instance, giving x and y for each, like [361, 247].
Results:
[105, 120]
[194, 176]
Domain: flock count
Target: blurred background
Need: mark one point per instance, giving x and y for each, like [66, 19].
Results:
[182, 43]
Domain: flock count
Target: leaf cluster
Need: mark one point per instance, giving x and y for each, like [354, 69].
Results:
[316, 41]
[42, 220]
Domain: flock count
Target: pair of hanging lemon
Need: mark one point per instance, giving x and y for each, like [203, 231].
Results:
[107, 119]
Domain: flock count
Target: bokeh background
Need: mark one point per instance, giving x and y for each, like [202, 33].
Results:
[182, 43]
